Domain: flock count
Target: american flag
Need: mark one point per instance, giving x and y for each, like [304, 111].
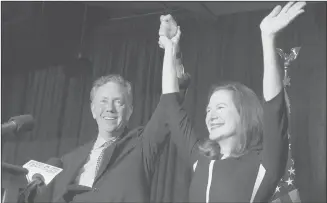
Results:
[286, 191]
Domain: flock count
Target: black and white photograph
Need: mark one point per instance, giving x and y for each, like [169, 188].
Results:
[163, 101]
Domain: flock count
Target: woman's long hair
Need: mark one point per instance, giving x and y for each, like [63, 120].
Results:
[250, 130]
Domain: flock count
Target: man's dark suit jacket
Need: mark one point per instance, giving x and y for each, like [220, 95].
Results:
[126, 171]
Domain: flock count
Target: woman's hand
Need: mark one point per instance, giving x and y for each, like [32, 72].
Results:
[280, 17]
[270, 26]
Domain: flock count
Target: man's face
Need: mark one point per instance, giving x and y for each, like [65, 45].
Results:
[110, 107]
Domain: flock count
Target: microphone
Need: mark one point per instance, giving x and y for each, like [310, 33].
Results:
[32, 189]
[37, 181]
[17, 124]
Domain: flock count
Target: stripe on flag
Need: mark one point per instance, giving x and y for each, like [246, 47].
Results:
[276, 201]
[291, 197]
[295, 196]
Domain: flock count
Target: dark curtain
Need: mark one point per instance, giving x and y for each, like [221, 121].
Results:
[226, 49]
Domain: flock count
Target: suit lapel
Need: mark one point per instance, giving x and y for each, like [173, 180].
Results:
[115, 152]
[74, 163]
[107, 158]
[78, 160]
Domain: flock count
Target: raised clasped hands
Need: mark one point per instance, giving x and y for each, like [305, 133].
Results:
[164, 42]
[280, 17]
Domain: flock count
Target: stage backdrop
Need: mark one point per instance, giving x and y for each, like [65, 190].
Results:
[226, 49]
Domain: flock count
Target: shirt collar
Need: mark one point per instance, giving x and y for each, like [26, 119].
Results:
[99, 142]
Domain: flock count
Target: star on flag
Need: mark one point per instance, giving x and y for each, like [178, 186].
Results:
[289, 181]
[277, 189]
[292, 171]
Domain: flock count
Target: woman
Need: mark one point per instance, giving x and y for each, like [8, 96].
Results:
[252, 137]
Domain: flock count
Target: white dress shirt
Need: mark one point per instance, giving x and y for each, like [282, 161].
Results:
[87, 173]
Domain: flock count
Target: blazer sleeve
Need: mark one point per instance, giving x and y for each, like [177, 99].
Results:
[275, 144]
[154, 135]
[275, 137]
[182, 132]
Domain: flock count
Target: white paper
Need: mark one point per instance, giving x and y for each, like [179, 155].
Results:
[46, 170]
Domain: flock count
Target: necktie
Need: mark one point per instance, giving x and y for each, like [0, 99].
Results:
[99, 161]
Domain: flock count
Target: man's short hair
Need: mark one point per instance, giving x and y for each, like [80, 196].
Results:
[113, 78]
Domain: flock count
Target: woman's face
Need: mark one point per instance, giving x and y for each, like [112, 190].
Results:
[222, 117]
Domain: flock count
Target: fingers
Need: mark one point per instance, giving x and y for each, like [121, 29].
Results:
[162, 30]
[287, 6]
[275, 11]
[295, 15]
[177, 36]
[296, 10]
[163, 41]
[163, 38]
[297, 7]
[160, 45]
[292, 6]
[165, 17]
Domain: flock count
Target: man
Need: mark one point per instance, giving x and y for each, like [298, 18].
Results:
[118, 165]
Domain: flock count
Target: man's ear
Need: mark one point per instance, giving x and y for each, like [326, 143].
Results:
[129, 112]
[93, 110]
